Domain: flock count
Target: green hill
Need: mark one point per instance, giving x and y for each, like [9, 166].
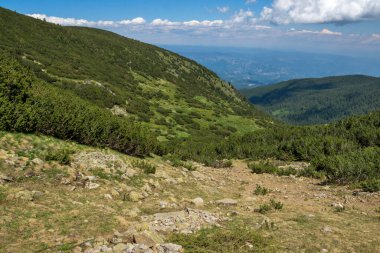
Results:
[119, 78]
[317, 101]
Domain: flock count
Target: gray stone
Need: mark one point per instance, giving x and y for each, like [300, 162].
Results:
[28, 195]
[169, 248]
[135, 196]
[198, 202]
[147, 238]
[119, 248]
[227, 202]
[37, 161]
[92, 186]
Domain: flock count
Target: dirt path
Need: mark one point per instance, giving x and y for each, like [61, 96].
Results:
[314, 217]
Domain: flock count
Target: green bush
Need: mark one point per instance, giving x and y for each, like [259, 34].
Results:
[277, 205]
[62, 156]
[261, 168]
[267, 207]
[264, 208]
[371, 185]
[30, 105]
[145, 166]
[261, 190]
[235, 237]
[220, 164]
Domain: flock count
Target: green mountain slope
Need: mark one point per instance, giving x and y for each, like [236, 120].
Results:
[316, 101]
[170, 95]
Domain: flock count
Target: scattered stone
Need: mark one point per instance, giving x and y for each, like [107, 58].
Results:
[250, 199]
[163, 204]
[169, 248]
[89, 160]
[129, 173]
[5, 179]
[132, 213]
[227, 202]
[119, 248]
[28, 195]
[135, 196]
[65, 181]
[327, 229]
[338, 206]
[108, 196]
[198, 202]
[187, 221]
[37, 161]
[320, 195]
[91, 186]
[147, 238]
[199, 175]
[265, 223]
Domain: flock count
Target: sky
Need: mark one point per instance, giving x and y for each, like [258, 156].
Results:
[348, 27]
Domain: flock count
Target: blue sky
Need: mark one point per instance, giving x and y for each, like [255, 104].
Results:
[339, 26]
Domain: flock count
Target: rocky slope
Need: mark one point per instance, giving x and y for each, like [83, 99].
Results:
[58, 196]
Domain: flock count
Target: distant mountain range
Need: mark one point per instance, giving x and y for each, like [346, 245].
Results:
[320, 100]
[245, 67]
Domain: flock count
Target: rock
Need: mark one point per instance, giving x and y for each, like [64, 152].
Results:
[339, 206]
[129, 172]
[119, 248]
[28, 195]
[199, 175]
[77, 249]
[169, 248]
[146, 188]
[132, 213]
[187, 221]
[171, 180]
[327, 229]
[91, 186]
[147, 238]
[265, 223]
[37, 161]
[65, 181]
[250, 199]
[5, 179]
[227, 202]
[163, 204]
[198, 202]
[108, 196]
[135, 196]
[115, 193]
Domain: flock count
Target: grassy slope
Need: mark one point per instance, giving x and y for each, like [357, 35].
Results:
[316, 101]
[170, 94]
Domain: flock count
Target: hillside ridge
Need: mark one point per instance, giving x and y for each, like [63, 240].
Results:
[318, 100]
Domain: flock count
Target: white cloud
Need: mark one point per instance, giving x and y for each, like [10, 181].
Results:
[242, 16]
[323, 32]
[250, 1]
[135, 21]
[328, 32]
[84, 22]
[203, 23]
[321, 11]
[374, 38]
[164, 22]
[223, 9]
